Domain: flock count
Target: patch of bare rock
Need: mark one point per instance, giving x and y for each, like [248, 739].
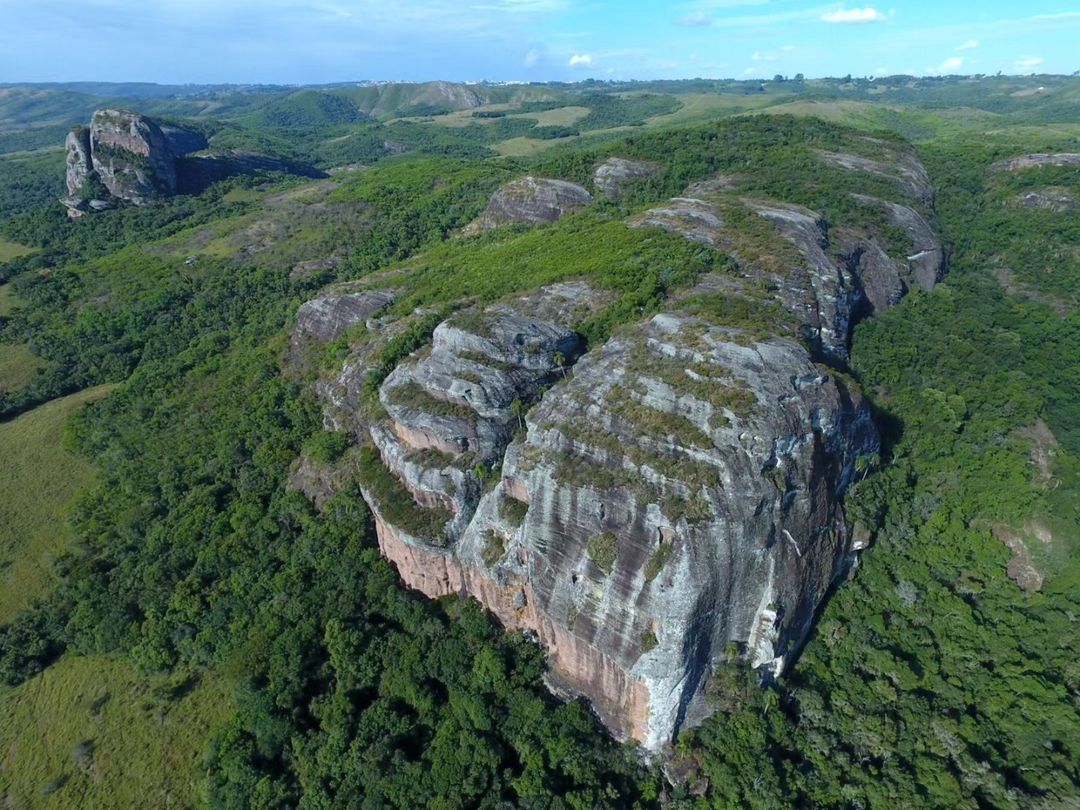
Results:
[614, 174]
[1054, 200]
[1037, 160]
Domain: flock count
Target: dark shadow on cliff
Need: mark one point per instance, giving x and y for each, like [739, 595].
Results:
[195, 174]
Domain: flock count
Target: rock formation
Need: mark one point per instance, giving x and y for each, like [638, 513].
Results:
[658, 503]
[125, 157]
[1057, 201]
[122, 156]
[615, 173]
[531, 201]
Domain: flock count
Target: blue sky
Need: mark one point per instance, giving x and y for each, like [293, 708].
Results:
[291, 41]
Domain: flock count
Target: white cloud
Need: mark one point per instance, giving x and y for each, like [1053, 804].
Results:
[758, 56]
[748, 72]
[787, 47]
[581, 60]
[853, 15]
[970, 45]
[953, 63]
[696, 20]
[532, 57]
[1028, 62]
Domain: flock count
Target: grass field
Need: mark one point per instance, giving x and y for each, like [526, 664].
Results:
[38, 479]
[527, 147]
[700, 107]
[90, 732]
[12, 250]
[559, 117]
[17, 366]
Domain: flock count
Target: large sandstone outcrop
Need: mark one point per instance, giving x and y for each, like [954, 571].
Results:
[126, 157]
[121, 156]
[655, 504]
[131, 156]
[531, 201]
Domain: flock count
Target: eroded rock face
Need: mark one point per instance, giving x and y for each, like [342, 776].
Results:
[126, 157]
[678, 493]
[453, 411]
[615, 173]
[79, 163]
[834, 275]
[131, 156]
[927, 261]
[531, 201]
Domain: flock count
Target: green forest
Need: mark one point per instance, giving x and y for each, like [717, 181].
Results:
[265, 655]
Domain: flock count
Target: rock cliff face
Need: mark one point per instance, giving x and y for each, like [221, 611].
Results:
[832, 276]
[648, 507]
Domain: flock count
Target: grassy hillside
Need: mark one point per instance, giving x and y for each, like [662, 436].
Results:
[39, 479]
[92, 732]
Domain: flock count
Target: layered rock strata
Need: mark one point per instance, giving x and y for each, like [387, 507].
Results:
[834, 275]
[663, 501]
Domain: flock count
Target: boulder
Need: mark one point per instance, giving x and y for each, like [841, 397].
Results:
[681, 492]
[531, 201]
[326, 318]
[80, 165]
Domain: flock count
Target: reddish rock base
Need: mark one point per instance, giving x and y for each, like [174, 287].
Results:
[576, 666]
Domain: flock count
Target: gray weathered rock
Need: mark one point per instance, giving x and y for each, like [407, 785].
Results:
[901, 165]
[834, 273]
[79, 163]
[927, 258]
[131, 156]
[1055, 200]
[615, 173]
[326, 318]
[1041, 159]
[715, 471]
[696, 219]
[531, 201]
